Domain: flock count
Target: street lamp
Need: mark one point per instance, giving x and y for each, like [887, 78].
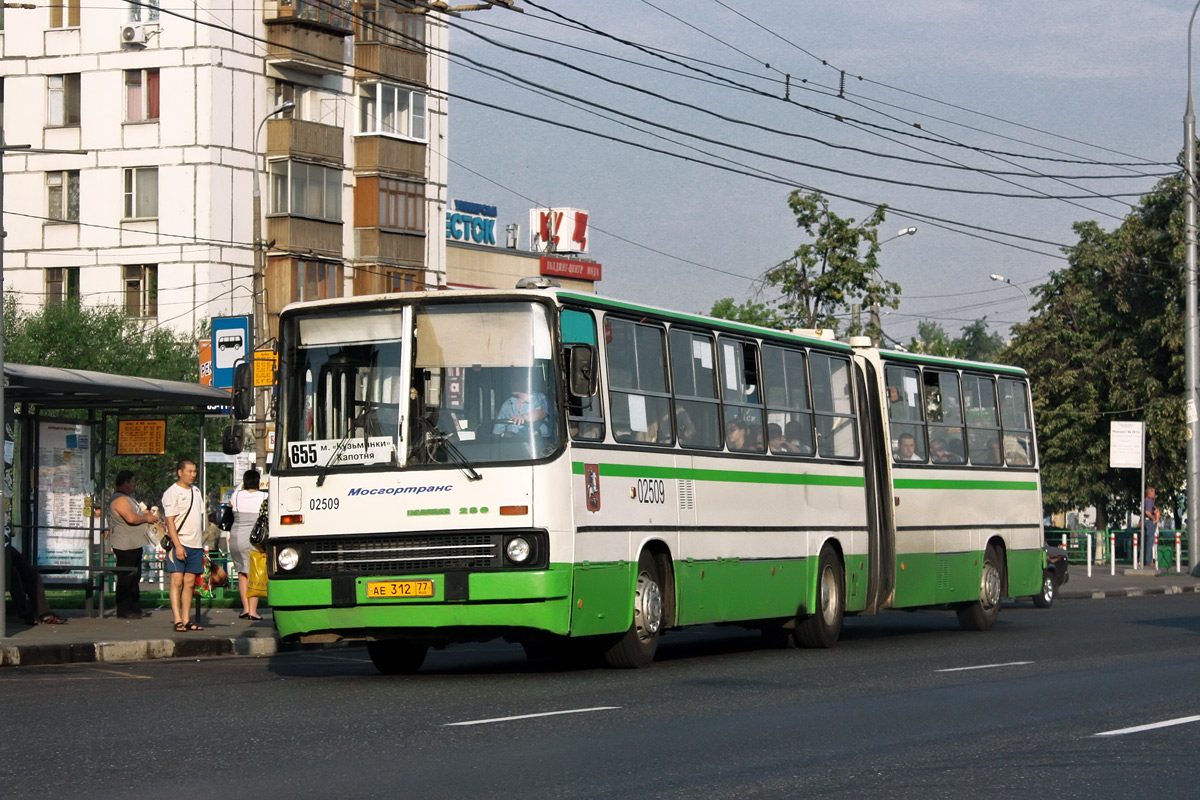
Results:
[875, 306]
[1191, 345]
[1003, 279]
[260, 304]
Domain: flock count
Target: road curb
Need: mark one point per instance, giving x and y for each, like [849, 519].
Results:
[1128, 591]
[138, 650]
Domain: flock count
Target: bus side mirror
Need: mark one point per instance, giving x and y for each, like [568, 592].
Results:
[243, 390]
[581, 378]
[233, 440]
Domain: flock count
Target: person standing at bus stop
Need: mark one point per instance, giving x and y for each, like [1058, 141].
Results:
[245, 503]
[1150, 517]
[127, 539]
[183, 509]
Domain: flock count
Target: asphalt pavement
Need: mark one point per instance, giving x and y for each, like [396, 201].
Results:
[111, 639]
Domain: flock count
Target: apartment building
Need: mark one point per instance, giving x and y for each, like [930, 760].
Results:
[150, 122]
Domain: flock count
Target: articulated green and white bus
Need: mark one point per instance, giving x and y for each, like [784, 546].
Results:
[565, 470]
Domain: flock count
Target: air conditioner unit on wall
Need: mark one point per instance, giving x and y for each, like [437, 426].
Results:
[134, 35]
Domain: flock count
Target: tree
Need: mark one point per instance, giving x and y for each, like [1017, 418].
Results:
[748, 312]
[1106, 343]
[825, 277]
[104, 339]
[975, 344]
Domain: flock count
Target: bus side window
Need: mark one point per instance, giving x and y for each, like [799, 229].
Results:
[833, 404]
[943, 410]
[744, 429]
[694, 380]
[637, 386]
[789, 412]
[1015, 419]
[906, 414]
[983, 426]
[585, 415]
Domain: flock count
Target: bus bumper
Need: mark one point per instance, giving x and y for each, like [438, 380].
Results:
[305, 609]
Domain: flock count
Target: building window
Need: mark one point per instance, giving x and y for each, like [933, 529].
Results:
[141, 95]
[141, 193]
[397, 280]
[389, 22]
[145, 8]
[62, 283]
[63, 93]
[300, 189]
[402, 205]
[62, 195]
[318, 280]
[64, 13]
[141, 291]
[391, 111]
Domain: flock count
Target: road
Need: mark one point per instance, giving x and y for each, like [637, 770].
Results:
[906, 706]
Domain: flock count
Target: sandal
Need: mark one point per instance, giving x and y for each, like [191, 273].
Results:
[245, 615]
[254, 617]
[180, 627]
[191, 626]
[51, 619]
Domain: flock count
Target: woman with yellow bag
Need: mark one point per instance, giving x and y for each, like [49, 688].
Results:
[247, 504]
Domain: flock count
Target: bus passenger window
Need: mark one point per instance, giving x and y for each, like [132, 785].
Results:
[585, 415]
[637, 385]
[943, 409]
[906, 414]
[694, 379]
[1015, 419]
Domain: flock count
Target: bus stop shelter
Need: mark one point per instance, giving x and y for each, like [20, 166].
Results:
[55, 462]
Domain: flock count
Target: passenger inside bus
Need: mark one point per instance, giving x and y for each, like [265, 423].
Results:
[906, 448]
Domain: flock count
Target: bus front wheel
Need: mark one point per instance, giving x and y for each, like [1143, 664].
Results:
[981, 614]
[636, 647]
[823, 628]
[396, 656]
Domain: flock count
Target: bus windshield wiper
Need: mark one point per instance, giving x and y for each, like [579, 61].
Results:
[439, 436]
[337, 451]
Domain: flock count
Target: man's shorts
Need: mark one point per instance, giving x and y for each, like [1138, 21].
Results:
[193, 564]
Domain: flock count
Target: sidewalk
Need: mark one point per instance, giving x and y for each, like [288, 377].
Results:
[92, 639]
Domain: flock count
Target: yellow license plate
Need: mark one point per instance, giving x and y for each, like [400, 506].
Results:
[399, 589]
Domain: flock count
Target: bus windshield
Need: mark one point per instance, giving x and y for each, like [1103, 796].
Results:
[482, 387]
[484, 384]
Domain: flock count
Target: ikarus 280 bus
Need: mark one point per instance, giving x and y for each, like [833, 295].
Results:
[564, 470]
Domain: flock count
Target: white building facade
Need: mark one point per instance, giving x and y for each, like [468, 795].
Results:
[170, 103]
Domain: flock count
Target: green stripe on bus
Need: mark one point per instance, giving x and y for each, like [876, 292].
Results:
[725, 475]
[930, 483]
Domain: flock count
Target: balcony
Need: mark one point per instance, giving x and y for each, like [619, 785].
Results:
[302, 44]
[373, 244]
[302, 235]
[384, 154]
[372, 59]
[310, 140]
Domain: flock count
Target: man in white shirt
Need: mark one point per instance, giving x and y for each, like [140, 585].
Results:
[183, 510]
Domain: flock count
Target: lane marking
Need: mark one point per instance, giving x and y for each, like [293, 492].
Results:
[986, 666]
[531, 716]
[125, 674]
[1139, 728]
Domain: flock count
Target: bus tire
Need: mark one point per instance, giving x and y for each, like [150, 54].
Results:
[636, 647]
[397, 656]
[823, 628]
[981, 614]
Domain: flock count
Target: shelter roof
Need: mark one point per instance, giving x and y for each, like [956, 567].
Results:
[54, 387]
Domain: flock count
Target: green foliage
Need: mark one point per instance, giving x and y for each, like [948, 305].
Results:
[748, 312]
[975, 344]
[1106, 343]
[826, 276]
[104, 339]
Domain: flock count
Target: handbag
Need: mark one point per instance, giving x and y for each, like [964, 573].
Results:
[258, 534]
[226, 523]
[165, 544]
[256, 585]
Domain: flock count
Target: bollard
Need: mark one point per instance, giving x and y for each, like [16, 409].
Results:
[1136, 560]
[1112, 552]
[1178, 553]
[1089, 554]
[1064, 543]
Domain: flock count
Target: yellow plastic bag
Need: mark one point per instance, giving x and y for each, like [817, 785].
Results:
[257, 579]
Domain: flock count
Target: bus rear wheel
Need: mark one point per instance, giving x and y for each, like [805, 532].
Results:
[637, 646]
[981, 614]
[823, 628]
[396, 656]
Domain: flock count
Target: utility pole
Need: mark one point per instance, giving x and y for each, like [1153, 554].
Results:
[1192, 337]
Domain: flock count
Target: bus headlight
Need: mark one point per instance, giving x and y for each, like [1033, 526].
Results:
[518, 550]
[287, 558]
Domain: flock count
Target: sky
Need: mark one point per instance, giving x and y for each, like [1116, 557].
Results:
[710, 112]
